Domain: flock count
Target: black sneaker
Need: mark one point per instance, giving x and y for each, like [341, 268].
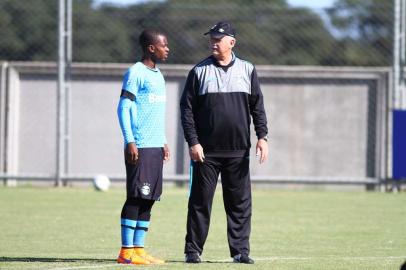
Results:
[192, 258]
[243, 258]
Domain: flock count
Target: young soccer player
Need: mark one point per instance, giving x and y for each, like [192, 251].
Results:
[141, 113]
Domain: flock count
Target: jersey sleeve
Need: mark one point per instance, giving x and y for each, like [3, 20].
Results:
[132, 81]
[124, 118]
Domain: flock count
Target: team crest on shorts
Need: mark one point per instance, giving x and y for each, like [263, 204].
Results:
[145, 189]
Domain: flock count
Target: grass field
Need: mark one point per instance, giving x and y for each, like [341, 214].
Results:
[78, 228]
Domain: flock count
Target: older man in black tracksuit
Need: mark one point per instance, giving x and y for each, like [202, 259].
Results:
[221, 94]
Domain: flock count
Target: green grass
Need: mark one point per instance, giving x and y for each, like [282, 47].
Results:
[78, 228]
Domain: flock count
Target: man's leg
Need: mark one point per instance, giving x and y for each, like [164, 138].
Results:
[128, 223]
[143, 222]
[205, 175]
[236, 184]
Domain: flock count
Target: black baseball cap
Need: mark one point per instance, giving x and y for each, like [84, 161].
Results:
[221, 29]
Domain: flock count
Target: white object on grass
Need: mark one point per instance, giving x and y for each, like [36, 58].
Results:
[101, 182]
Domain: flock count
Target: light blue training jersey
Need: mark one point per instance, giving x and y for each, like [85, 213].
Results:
[143, 120]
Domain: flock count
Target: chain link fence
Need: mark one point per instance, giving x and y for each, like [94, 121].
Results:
[350, 33]
[324, 73]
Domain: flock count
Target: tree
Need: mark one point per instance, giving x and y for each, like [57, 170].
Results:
[366, 31]
[28, 30]
[98, 36]
[267, 32]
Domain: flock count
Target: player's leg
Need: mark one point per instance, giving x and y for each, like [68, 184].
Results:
[236, 184]
[205, 175]
[149, 189]
[141, 231]
[143, 220]
[129, 216]
[128, 224]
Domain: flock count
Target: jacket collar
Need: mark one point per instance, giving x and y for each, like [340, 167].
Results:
[216, 63]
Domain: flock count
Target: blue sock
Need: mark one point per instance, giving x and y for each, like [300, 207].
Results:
[140, 233]
[127, 232]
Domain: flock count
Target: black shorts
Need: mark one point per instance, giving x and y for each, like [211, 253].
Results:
[144, 179]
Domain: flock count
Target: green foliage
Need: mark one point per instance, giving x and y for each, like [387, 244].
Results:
[28, 30]
[268, 32]
[97, 36]
[366, 27]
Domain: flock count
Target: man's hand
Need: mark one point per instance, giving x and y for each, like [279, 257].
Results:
[131, 153]
[196, 153]
[262, 150]
[166, 152]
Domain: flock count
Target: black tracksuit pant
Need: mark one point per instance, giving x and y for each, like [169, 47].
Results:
[236, 185]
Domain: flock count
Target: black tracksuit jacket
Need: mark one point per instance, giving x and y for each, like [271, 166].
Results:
[217, 104]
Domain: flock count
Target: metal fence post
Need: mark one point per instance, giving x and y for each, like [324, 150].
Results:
[67, 75]
[61, 94]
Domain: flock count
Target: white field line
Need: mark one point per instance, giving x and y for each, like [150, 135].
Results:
[355, 258]
[333, 257]
[255, 259]
[91, 266]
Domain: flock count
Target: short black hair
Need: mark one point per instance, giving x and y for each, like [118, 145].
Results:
[149, 37]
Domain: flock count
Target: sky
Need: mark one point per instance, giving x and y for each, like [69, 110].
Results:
[311, 3]
[314, 4]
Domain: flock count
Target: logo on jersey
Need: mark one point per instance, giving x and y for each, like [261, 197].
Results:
[145, 189]
[152, 98]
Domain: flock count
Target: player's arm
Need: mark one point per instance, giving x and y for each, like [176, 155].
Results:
[131, 83]
[124, 116]
[257, 110]
[188, 103]
[166, 152]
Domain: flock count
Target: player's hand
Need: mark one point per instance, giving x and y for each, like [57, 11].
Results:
[196, 153]
[166, 153]
[262, 150]
[131, 153]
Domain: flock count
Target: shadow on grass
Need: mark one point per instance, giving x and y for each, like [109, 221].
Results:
[69, 260]
[36, 259]
[230, 262]
[208, 261]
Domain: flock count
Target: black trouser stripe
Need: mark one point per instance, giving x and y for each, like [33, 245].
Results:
[142, 228]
